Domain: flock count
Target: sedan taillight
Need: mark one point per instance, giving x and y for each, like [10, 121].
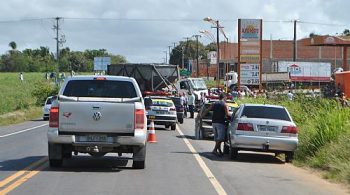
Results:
[245, 127]
[289, 129]
[139, 118]
[172, 109]
[54, 117]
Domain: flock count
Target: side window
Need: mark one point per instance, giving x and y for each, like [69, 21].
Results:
[183, 85]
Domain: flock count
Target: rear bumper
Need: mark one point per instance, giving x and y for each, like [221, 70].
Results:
[163, 120]
[246, 142]
[139, 139]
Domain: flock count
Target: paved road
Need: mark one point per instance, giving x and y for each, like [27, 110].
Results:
[176, 164]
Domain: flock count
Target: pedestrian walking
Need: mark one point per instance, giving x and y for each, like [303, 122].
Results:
[290, 96]
[191, 103]
[183, 101]
[220, 114]
[21, 77]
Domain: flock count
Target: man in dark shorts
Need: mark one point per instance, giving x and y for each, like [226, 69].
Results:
[220, 113]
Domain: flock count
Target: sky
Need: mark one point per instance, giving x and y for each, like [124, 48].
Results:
[142, 30]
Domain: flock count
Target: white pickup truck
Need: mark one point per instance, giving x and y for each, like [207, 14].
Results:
[98, 115]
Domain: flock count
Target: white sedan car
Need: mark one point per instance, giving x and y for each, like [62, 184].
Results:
[265, 128]
[47, 107]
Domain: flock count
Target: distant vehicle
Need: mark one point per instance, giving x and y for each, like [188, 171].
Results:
[203, 124]
[231, 80]
[179, 109]
[47, 107]
[266, 128]
[162, 110]
[98, 115]
[193, 85]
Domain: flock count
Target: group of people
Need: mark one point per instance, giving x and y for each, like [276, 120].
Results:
[188, 102]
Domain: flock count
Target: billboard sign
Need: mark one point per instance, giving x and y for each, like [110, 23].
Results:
[101, 63]
[306, 71]
[249, 41]
[212, 57]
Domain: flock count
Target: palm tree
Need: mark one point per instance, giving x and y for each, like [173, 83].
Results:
[13, 45]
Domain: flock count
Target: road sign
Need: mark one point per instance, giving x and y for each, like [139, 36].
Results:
[101, 63]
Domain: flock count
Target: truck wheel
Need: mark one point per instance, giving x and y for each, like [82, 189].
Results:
[289, 157]
[138, 164]
[139, 156]
[55, 155]
[173, 127]
[181, 120]
[55, 162]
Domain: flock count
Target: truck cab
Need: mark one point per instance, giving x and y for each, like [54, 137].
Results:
[193, 85]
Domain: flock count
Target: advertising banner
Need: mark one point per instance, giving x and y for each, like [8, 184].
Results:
[306, 71]
[212, 57]
[249, 44]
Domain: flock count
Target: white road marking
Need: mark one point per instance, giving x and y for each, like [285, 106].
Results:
[25, 130]
[219, 189]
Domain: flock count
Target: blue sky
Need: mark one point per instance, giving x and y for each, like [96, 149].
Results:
[142, 30]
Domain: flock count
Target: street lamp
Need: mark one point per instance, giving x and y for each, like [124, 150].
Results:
[197, 56]
[217, 26]
[210, 36]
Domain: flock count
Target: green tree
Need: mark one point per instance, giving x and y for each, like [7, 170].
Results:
[13, 45]
[189, 51]
[346, 32]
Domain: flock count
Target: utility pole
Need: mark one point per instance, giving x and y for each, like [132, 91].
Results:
[197, 56]
[295, 41]
[166, 56]
[218, 53]
[57, 28]
[169, 53]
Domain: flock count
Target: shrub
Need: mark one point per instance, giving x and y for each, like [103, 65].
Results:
[44, 89]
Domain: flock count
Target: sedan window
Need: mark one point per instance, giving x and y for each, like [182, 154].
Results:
[265, 112]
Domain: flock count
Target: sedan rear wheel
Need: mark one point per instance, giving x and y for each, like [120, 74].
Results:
[289, 156]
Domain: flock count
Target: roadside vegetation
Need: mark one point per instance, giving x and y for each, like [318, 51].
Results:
[324, 134]
[20, 101]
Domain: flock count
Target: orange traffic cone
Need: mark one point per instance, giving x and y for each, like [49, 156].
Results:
[151, 133]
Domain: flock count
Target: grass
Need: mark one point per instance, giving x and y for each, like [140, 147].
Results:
[324, 134]
[17, 103]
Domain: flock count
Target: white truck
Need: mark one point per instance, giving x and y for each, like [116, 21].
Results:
[98, 115]
[193, 85]
[231, 80]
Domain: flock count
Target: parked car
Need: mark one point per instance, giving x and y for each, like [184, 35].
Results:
[179, 109]
[162, 110]
[265, 128]
[47, 107]
[203, 124]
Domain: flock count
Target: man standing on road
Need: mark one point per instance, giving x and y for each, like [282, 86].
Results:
[191, 102]
[220, 113]
[183, 101]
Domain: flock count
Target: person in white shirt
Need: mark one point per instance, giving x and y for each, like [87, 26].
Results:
[183, 102]
[191, 103]
[290, 96]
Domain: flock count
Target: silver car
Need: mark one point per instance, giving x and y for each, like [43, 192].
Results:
[260, 127]
[47, 107]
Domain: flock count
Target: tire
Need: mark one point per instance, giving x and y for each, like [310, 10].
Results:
[173, 127]
[233, 153]
[56, 162]
[226, 148]
[167, 126]
[55, 155]
[181, 120]
[289, 156]
[139, 156]
[45, 118]
[138, 164]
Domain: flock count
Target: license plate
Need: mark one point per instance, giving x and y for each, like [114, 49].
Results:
[162, 112]
[267, 128]
[151, 117]
[93, 138]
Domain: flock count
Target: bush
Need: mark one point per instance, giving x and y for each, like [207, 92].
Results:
[44, 90]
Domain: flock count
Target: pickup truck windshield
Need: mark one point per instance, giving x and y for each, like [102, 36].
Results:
[198, 84]
[100, 88]
[265, 112]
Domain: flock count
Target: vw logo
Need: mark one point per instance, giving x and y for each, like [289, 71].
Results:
[97, 116]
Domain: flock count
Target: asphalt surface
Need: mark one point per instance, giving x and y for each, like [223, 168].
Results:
[171, 168]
